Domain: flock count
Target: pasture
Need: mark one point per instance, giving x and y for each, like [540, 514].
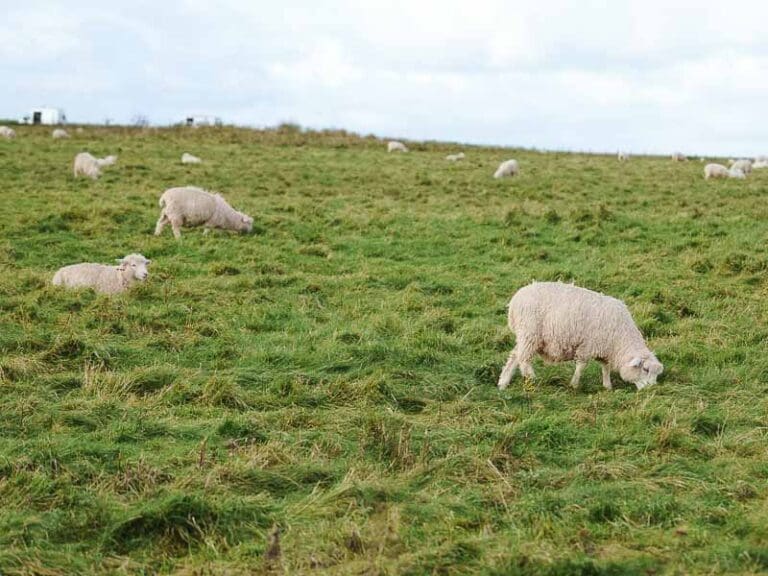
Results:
[319, 396]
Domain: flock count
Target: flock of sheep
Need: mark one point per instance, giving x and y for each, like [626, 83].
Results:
[560, 322]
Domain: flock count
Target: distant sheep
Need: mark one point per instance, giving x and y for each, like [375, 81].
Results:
[395, 146]
[679, 157]
[103, 278]
[737, 173]
[7, 133]
[455, 157]
[563, 322]
[187, 158]
[761, 159]
[743, 165]
[192, 206]
[715, 171]
[759, 164]
[88, 165]
[507, 169]
[623, 156]
[59, 133]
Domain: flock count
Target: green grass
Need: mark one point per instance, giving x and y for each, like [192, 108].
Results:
[332, 376]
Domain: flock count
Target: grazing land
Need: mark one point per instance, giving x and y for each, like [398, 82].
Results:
[319, 396]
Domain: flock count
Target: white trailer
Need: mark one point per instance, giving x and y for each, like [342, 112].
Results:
[45, 116]
[202, 120]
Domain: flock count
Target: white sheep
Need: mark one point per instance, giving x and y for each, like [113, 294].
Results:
[103, 278]
[715, 171]
[455, 157]
[743, 165]
[623, 156]
[188, 158]
[7, 133]
[759, 164]
[59, 133]
[507, 168]
[395, 146]
[761, 158]
[88, 165]
[737, 173]
[679, 157]
[563, 322]
[192, 206]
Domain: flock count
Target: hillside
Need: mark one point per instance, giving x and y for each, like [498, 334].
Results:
[332, 376]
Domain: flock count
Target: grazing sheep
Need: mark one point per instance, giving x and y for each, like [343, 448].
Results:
[743, 165]
[759, 164]
[455, 157]
[761, 159]
[88, 165]
[737, 173]
[187, 158]
[623, 156]
[103, 278]
[59, 133]
[395, 146]
[508, 168]
[679, 157]
[192, 206]
[7, 133]
[563, 322]
[702, 159]
[715, 171]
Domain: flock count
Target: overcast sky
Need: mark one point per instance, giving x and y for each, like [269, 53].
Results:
[644, 76]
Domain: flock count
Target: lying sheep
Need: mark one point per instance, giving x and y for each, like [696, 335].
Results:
[679, 157]
[736, 173]
[743, 165]
[59, 133]
[7, 133]
[455, 157]
[395, 146]
[623, 156]
[187, 158]
[563, 322]
[192, 206]
[88, 165]
[715, 171]
[103, 278]
[507, 169]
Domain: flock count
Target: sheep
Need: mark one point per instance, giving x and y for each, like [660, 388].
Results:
[623, 156]
[88, 165]
[102, 278]
[563, 322]
[395, 146]
[192, 206]
[715, 171]
[759, 164]
[187, 158]
[59, 133]
[507, 168]
[455, 157]
[736, 173]
[679, 157]
[743, 165]
[761, 158]
[7, 133]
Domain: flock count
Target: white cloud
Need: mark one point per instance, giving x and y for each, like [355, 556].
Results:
[600, 75]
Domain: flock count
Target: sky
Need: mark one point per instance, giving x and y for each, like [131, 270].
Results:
[645, 77]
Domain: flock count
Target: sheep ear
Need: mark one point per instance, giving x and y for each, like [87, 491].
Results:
[635, 362]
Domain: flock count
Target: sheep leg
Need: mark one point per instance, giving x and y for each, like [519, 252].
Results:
[580, 364]
[161, 222]
[176, 225]
[509, 370]
[606, 377]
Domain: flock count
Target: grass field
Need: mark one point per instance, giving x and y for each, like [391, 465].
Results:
[319, 397]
